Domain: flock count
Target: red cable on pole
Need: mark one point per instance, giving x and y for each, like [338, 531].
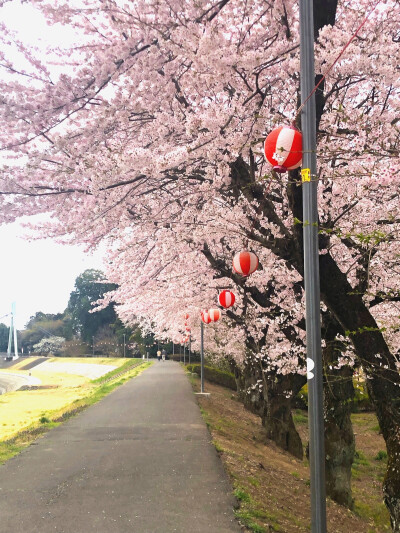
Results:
[336, 60]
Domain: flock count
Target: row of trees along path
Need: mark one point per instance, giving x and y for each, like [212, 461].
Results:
[147, 136]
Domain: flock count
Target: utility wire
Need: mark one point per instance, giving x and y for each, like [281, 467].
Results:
[334, 63]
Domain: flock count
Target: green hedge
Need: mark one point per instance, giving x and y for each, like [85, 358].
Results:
[220, 377]
[360, 402]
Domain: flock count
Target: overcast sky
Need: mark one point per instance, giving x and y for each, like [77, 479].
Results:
[39, 275]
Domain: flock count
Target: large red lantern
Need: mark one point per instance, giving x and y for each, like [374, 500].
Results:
[226, 298]
[283, 148]
[214, 314]
[245, 263]
[205, 317]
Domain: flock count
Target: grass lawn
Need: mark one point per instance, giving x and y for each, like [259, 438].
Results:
[272, 487]
[28, 413]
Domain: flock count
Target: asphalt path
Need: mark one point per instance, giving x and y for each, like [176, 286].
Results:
[139, 461]
[13, 382]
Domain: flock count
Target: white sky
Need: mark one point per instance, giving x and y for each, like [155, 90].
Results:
[38, 275]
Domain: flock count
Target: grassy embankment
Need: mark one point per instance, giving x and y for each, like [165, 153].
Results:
[26, 414]
[272, 487]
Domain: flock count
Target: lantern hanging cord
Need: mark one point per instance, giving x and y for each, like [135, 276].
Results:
[334, 63]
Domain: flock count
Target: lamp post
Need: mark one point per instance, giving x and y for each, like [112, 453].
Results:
[207, 316]
[311, 270]
[202, 357]
[124, 344]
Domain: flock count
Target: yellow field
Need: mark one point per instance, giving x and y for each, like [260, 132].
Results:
[19, 410]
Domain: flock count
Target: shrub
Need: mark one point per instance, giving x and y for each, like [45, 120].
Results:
[360, 402]
[381, 455]
[214, 375]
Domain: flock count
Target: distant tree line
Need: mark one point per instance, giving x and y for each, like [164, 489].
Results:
[78, 330]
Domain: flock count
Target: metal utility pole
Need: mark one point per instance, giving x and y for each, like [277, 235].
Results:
[202, 357]
[311, 271]
[184, 353]
[190, 347]
[12, 335]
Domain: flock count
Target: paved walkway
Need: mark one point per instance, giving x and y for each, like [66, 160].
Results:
[139, 461]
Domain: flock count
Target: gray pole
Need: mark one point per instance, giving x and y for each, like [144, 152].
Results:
[190, 347]
[311, 272]
[202, 357]
[124, 344]
[184, 353]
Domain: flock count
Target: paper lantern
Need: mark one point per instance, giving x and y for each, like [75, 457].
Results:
[245, 263]
[283, 148]
[185, 316]
[205, 317]
[226, 298]
[214, 314]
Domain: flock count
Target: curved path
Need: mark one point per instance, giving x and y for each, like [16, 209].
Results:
[139, 461]
[12, 382]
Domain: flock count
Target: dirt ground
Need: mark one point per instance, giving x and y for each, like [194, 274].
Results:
[272, 487]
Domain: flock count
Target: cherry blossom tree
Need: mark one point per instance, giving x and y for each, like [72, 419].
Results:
[147, 134]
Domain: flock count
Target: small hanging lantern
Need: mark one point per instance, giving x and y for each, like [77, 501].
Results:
[187, 329]
[186, 316]
[214, 314]
[245, 263]
[283, 148]
[226, 298]
[205, 317]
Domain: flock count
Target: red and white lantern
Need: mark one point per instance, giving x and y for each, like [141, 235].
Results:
[226, 299]
[186, 316]
[214, 314]
[245, 263]
[205, 317]
[283, 148]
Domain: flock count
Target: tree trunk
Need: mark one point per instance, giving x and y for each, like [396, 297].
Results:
[391, 484]
[246, 380]
[272, 402]
[383, 380]
[339, 436]
[277, 417]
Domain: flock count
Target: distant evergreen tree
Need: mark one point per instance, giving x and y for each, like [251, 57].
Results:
[90, 287]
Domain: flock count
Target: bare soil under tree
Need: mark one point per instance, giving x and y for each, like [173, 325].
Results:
[272, 487]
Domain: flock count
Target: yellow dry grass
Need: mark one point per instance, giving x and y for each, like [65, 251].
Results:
[20, 409]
